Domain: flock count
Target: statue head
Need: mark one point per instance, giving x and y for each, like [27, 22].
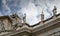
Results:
[54, 8]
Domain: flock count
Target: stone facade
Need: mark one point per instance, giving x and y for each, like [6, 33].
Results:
[50, 27]
[5, 23]
[10, 23]
[13, 26]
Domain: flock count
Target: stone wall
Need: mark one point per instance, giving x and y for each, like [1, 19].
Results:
[52, 32]
[5, 23]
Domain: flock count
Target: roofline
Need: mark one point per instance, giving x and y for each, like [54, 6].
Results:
[3, 17]
[33, 29]
[43, 21]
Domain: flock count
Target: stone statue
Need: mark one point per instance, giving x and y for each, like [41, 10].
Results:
[24, 18]
[42, 16]
[54, 10]
[16, 21]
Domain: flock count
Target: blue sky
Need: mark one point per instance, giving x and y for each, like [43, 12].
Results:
[32, 8]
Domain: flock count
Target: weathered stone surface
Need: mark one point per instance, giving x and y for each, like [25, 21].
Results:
[50, 27]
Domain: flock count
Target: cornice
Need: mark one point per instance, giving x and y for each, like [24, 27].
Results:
[34, 28]
[47, 23]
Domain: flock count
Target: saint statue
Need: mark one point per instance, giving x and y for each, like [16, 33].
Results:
[54, 10]
[24, 18]
[42, 16]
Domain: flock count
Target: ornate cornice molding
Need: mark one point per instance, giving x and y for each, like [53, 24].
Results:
[38, 27]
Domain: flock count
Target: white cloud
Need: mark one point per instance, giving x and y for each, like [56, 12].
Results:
[31, 12]
[32, 8]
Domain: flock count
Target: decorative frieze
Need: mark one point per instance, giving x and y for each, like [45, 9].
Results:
[16, 21]
[55, 34]
[2, 28]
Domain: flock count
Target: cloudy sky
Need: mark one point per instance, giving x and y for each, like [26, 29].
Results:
[32, 8]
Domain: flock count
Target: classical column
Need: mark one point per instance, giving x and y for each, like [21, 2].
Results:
[42, 17]
[54, 12]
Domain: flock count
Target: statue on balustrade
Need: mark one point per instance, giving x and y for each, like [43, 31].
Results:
[16, 21]
[54, 10]
[24, 18]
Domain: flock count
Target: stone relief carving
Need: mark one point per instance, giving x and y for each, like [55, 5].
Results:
[2, 28]
[16, 21]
